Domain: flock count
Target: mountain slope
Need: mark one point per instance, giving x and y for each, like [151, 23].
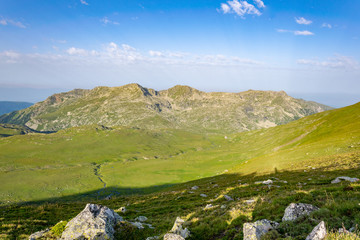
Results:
[9, 106]
[180, 107]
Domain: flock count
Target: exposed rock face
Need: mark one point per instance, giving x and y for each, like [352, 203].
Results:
[318, 233]
[94, 222]
[338, 179]
[254, 231]
[172, 236]
[38, 235]
[179, 107]
[178, 229]
[295, 210]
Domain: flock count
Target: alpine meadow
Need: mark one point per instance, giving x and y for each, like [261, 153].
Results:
[196, 120]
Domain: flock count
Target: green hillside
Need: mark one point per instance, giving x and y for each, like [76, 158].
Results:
[77, 165]
[180, 107]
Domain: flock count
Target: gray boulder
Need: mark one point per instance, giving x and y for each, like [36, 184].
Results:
[173, 236]
[39, 234]
[295, 210]
[318, 233]
[339, 179]
[178, 228]
[94, 222]
[254, 231]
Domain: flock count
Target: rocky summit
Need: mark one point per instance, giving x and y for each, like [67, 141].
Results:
[180, 107]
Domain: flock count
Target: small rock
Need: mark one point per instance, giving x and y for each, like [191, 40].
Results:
[152, 238]
[267, 182]
[203, 195]
[122, 209]
[139, 225]
[228, 198]
[208, 206]
[215, 185]
[254, 231]
[318, 233]
[141, 218]
[338, 179]
[223, 206]
[39, 234]
[172, 236]
[295, 210]
[195, 188]
[250, 201]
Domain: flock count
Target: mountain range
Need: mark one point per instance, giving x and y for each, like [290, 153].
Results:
[179, 107]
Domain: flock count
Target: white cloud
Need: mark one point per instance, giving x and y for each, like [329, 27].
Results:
[10, 56]
[77, 51]
[335, 62]
[11, 22]
[259, 3]
[303, 33]
[303, 21]
[156, 53]
[84, 2]
[326, 25]
[106, 21]
[241, 7]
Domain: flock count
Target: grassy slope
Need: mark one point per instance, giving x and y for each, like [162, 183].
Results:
[329, 142]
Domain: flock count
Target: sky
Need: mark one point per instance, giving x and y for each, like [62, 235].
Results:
[308, 48]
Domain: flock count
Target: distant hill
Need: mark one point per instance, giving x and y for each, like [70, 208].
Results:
[8, 106]
[180, 107]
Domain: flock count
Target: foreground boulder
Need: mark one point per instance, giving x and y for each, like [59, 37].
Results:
[39, 234]
[254, 231]
[94, 222]
[318, 233]
[339, 179]
[296, 210]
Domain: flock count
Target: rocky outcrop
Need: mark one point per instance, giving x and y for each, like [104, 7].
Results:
[296, 210]
[178, 232]
[255, 230]
[94, 222]
[339, 179]
[318, 233]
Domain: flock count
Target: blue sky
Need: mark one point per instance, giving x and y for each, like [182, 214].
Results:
[309, 48]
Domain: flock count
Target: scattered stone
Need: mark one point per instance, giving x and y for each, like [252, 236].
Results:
[39, 234]
[122, 209]
[250, 201]
[228, 198]
[195, 188]
[338, 179]
[318, 233]
[223, 206]
[94, 222]
[149, 225]
[203, 195]
[172, 236]
[178, 229]
[108, 197]
[141, 219]
[267, 182]
[215, 185]
[191, 192]
[152, 238]
[295, 210]
[254, 231]
[309, 179]
[139, 225]
[208, 206]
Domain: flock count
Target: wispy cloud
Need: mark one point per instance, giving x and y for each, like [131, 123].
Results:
[241, 7]
[326, 25]
[84, 2]
[4, 22]
[301, 33]
[303, 21]
[106, 20]
[337, 62]
[10, 56]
